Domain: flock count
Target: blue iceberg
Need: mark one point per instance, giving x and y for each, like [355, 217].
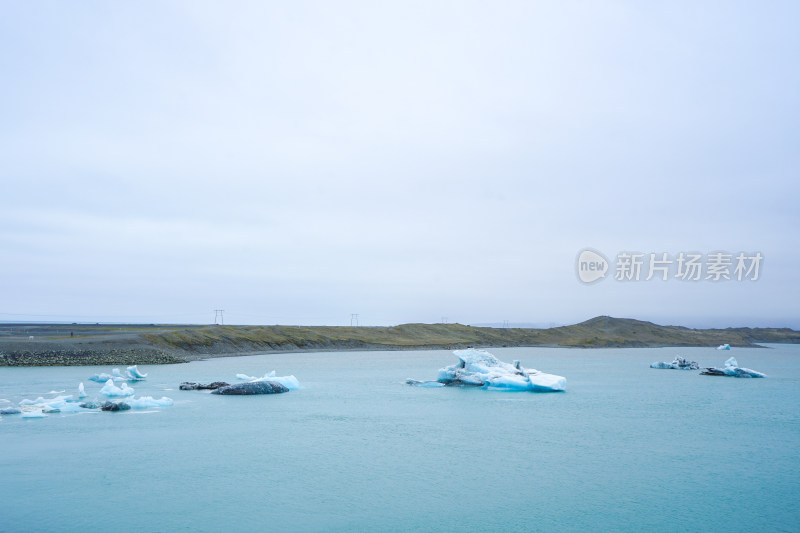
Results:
[724, 347]
[732, 369]
[134, 374]
[112, 391]
[479, 368]
[678, 364]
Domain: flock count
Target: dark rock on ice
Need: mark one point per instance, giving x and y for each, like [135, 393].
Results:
[191, 385]
[115, 406]
[252, 387]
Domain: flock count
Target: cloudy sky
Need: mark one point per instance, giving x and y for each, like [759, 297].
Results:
[297, 162]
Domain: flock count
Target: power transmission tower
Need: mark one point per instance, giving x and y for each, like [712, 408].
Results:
[354, 319]
[218, 314]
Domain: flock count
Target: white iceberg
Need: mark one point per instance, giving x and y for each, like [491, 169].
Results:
[724, 347]
[678, 364]
[36, 413]
[290, 382]
[112, 391]
[134, 374]
[479, 368]
[733, 369]
[81, 391]
[102, 378]
[147, 402]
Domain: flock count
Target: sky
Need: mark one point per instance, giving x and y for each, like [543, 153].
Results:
[299, 162]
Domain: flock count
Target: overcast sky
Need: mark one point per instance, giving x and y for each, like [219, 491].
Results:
[297, 162]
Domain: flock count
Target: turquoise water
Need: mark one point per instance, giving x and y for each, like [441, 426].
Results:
[626, 448]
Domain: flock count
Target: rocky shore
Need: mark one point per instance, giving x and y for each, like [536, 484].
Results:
[69, 345]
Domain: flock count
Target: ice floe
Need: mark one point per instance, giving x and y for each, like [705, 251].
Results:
[36, 413]
[81, 390]
[259, 386]
[724, 347]
[732, 369]
[479, 368]
[134, 374]
[112, 391]
[678, 364]
[114, 376]
[147, 402]
[290, 382]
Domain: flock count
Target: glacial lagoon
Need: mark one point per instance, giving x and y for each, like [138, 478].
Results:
[625, 447]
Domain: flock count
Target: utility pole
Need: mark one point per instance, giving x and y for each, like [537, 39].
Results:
[218, 314]
[354, 319]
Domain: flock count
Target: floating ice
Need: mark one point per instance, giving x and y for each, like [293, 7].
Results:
[724, 347]
[424, 384]
[134, 374]
[36, 413]
[146, 402]
[81, 391]
[479, 368]
[290, 382]
[733, 369]
[112, 391]
[260, 386]
[10, 411]
[678, 364]
[102, 378]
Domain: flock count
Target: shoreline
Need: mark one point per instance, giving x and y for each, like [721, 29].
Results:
[94, 345]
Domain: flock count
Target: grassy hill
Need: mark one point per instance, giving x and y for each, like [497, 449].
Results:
[128, 344]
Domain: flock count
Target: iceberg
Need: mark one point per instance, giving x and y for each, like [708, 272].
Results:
[724, 347]
[81, 391]
[252, 387]
[134, 374]
[36, 413]
[479, 368]
[10, 411]
[290, 382]
[102, 378]
[147, 402]
[191, 385]
[678, 364]
[112, 391]
[732, 369]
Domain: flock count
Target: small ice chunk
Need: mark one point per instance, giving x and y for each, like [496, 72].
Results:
[10, 411]
[134, 374]
[112, 391]
[679, 363]
[724, 347]
[81, 391]
[424, 384]
[147, 402]
[245, 377]
[36, 413]
[102, 378]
